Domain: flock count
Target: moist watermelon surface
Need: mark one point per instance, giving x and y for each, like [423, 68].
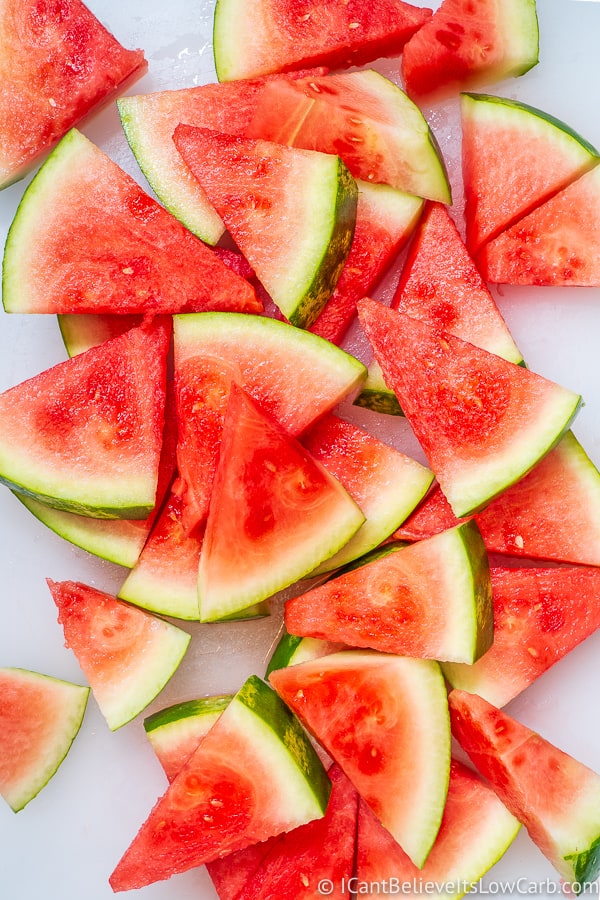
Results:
[57, 64]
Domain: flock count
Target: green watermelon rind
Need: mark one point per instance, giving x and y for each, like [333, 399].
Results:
[292, 650]
[168, 720]
[59, 737]
[376, 395]
[164, 595]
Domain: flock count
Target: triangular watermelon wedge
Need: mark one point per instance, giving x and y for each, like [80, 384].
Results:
[556, 797]
[87, 239]
[383, 719]
[481, 431]
[275, 513]
[291, 212]
[86, 434]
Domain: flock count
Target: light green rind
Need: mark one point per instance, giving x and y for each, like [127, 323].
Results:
[292, 650]
[518, 24]
[168, 721]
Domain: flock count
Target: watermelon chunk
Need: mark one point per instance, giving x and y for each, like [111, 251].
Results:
[292, 649]
[40, 717]
[58, 63]
[127, 654]
[467, 45]
[279, 35]
[480, 433]
[87, 239]
[555, 796]
[383, 719]
[86, 434]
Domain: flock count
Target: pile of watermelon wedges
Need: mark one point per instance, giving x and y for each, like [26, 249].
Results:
[214, 438]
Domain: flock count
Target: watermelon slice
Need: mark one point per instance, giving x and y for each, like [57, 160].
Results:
[480, 433]
[86, 434]
[555, 796]
[79, 331]
[383, 718]
[275, 513]
[476, 831]
[40, 717]
[540, 615]
[557, 244]
[294, 374]
[87, 239]
[381, 135]
[292, 649]
[468, 45]
[432, 599]
[385, 483]
[514, 157]
[280, 35]
[385, 217]
[291, 213]
[127, 654]
[56, 66]
[253, 776]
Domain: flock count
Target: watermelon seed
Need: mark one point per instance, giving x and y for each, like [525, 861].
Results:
[304, 879]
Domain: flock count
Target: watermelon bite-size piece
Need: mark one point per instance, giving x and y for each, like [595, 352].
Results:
[476, 831]
[57, 65]
[385, 483]
[384, 719]
[254, 775]
[385, 218]
[431, 599]
[40, 717]
[291, 212]
[275, 513]
[292, 649]
[540, 615]
[556, 245]
[465, 46]
[296, 375]
[126, 654]
[87, 239]
[480, 431]
[86, 434]
[378, 131]
[556, 797]
[514, 157]
[279, 35]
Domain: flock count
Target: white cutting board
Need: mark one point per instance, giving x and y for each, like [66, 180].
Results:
[64, 845]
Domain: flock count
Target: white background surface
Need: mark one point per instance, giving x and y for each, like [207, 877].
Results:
[64, 845]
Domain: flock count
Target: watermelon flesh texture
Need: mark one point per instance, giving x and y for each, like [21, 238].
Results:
[475, 832]
[555, 796]
[87, 239]
[40, 717]
[57, 65]
[479, 434]
[466, 45]
[283, 35]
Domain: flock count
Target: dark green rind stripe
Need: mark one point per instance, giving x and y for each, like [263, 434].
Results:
[189, 709]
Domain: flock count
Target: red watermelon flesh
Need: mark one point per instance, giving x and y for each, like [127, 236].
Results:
[469, 425]
[555, 796]
[57, 64]
[540, 615]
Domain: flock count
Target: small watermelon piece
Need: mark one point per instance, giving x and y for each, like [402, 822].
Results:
[384, 720]
[79, 331]
[275, 513]
[58, 63]
[282, 35]
[86, 434]
[295, 375]
[468, 45]
[40, 717]
[480, 432]
[127, 654]
[476, 831]
[292, 649]
[292, 213]
[86, 238]
[378, 131]
[555, 796]
[432, 599]
[253, 776]
[385, 217]
[540, 615]
[385, 483]
[514, 157]
[556, 245]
